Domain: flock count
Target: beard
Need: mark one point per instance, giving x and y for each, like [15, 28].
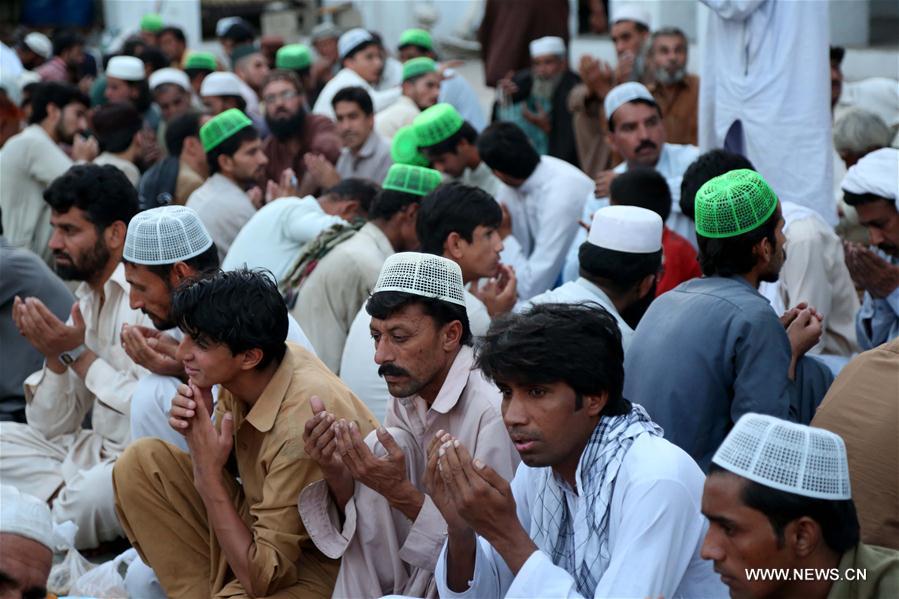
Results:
[90, 263]
[666, 77]
[545, 87]
[633, 313]
[283, 128]
[63, 135]
[772, 275]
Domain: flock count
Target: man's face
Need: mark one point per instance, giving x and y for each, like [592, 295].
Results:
[424, 90]
[639, 133]
[409, 52]
[118, 90]
[627, 38]
[171, 46]
[151, 294]
[367, 63]
[449, 163]
[740, 538]
[24, 567]
[836, 83]
[30, 60]
[79, 250]
[779, 255]
[353, 124]
[283, 107]
[73, 119]
[208, 363]
[74, 56]
[248, 162]
[882, 220]
[547, 66]
[327, 48]
[410, 349]
[480, 258]
[253, 69]
[216, 104]
[543, 423]
[173, 101]
[669, 58]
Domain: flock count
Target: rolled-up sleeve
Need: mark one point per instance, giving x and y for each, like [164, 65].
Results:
[55, 403]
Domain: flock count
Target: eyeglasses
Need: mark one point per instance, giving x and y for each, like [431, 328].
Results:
[284, 96]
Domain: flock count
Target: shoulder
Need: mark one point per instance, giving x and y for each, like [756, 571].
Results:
[654, 459]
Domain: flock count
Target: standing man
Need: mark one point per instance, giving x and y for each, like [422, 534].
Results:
[543, 196]
[33, 159]
[391, 533]
[86, 370]
[675, 90]
[201, 531]
[421, 86]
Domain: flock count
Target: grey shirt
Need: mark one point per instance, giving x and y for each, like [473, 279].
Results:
[372, 162]
[704, 354]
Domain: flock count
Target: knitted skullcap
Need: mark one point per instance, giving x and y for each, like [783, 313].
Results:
[26, 516]
[223, 126]
[418, 66]
[416, 180]
[200, 60]
[294, 57]
[404, 147]
[426, 275]
[436, 124]
[151, 22]
[416, 37]
[733, 203]
[165, 235]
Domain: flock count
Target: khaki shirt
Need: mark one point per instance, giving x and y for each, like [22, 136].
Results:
[273, 467]
[680, 109]
[878, 566]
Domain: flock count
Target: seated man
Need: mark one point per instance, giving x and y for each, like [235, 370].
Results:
[450, 145]
[872, 188]
[391, 532]
[86, 369]
[543, 196]
[601, 506]
[711, 349]
[175, 177]
[620, 263]
[200, 530]
[118, 128]
[460, 223]
[421, 86]
[26, 544]
[778, 500]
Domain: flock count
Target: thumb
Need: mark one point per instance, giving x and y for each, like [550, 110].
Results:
[389, 443]
[316, 404]
[77, 318]
[227, 428]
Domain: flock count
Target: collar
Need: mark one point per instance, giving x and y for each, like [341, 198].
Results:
[117, 279]
[374, 232]
[368, 148]
[453, 386]
[263, 413]
[598, 292]
[226, 184]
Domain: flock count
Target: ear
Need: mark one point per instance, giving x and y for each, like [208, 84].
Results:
[251, 358]
[114, 235]
[452, 335]
[594, 404]
[610, 139]
[452, 246]
[803, 536]
[179, 272]
[412, 212]
[226, 163]
[763, 250]
[646, 285]
[349, 209]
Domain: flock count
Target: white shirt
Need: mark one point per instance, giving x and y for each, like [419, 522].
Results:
[756, 70]
[481, 176]
[273, 237]
[224, 208]
[457, 91]
[673, 161]
[655, 533]
[126, 166]
[397, 115]
[349, 78]
[545, 210]
[581, 291]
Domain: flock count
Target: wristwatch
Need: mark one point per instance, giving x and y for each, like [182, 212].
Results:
[68, 357]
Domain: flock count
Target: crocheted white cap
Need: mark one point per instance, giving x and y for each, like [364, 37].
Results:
[352, 39]
[165, 235]
[624, 93]
[629, 229]
[26, 516]
[39, 43]
[787, 456]
[426, 275]
[127, 68]
[169, 75]
[220, 83]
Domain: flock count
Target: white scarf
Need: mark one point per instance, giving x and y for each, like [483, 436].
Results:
[580, 543]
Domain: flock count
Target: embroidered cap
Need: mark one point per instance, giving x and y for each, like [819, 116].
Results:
[426, 275]
[733, 203]
[624, 93]
[169, 75]
[26, 516]
[39, 43]
[404, 147]
[294, 57]
[416, 37]
[222, 126]
[220, 83]
[151, 22]
[418, 66]
[549, 45]
[629, 229]
[351, 40]
[200, 60]
[436, 124]
[416, 180]
[165, 235]
[127, 68]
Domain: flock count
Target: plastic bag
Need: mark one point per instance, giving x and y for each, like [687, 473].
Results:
[73, 567]
[106, 581]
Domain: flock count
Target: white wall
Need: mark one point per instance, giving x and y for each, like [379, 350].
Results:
[126, 14]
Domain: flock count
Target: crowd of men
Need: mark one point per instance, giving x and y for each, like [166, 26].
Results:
[304, 321]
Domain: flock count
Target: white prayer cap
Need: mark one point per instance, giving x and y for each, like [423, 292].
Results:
[628, 229]
[165, 235]
[220, 83]
[631, 12]
[876, 173]
[222, 25]
[127, 68]
[624, 93]
[26, 516]
[350, 40]
[547, 45]
[426, 275]
[39, 43]
[790, 457]
[324, 31]
[169, 75]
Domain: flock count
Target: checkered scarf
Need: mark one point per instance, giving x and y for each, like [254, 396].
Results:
[579, 543]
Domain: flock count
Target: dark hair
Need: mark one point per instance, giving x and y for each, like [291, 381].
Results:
[66, 39]
[383, 304]
[180, 128]
[454, 208]
[837, 518]
[132, 47]
[730, 256]
[241, 308]
[203, 264]
[577, 344]
[175, 32]
[287, 75]
[644, 187]
[650, 103]
[239, 102]
[836, 55]
[360, 48]
[506, 148]
[389, 201]
[240, 33]
[103, 192]
[229, 147]
[363, 191]
[707, 167]
[194, 71]
[115, 126]
[619, 271]
[466, 132]
[855, 199]
[58, 94]
[357, 95]
[154, 57]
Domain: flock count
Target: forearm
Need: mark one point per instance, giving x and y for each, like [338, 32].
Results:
[341, 486]
[83, 363]
[234, 537]
[513, 544]
[407, 499]
[461, 552]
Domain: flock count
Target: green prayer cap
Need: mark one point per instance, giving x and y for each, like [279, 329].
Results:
[200, 60]
[416, 37]
[436, 124]
[417, 180]
[418, 66]
[223, 126]
[733, 203]
[242, 52]
[294, 57]
[404, 147]
[151, 22]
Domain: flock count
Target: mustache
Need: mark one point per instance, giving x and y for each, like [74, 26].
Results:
[646, 144]
[391, 370]
[61, 254]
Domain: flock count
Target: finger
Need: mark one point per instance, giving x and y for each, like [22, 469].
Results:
[453, 460]
[203, 397]
[227, 428]
[178, 424]
[490, 476]
[389, 443]
[316, 404]
[183, 413]
[77, 317]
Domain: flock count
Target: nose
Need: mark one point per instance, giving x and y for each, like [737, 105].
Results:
[383, 353]
[513, 412]
[55, 242]
[711, 550]
[134, 300]
[183, 352]
[876, 235]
